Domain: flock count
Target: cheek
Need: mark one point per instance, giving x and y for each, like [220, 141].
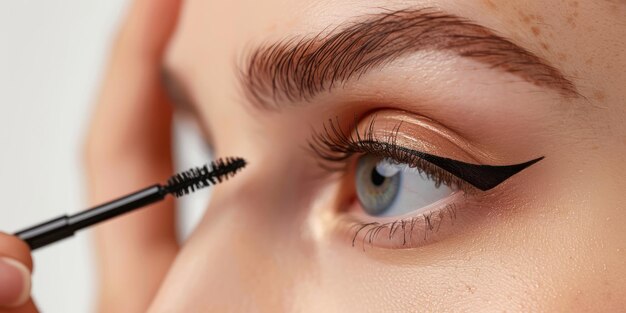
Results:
[428, 279]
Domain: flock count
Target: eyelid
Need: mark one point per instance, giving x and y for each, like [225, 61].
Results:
[483, 177]
[404, 232]
[335, 145]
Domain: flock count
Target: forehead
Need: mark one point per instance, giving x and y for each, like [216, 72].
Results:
[213, 37]
[222, 31]
[233, 24]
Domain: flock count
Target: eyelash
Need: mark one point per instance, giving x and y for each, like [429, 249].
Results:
[431, 223]
[336, 147]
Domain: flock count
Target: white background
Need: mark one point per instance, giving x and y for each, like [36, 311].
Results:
[52, 55]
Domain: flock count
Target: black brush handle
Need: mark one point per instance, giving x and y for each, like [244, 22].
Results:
[65, 226]
[117, 207]
[46, 232]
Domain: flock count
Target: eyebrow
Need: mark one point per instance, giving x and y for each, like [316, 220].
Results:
[299, 68]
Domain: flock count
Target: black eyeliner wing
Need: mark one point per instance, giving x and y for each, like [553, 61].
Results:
[483, 177]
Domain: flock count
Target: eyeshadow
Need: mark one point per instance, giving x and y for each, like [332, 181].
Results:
[336, 146]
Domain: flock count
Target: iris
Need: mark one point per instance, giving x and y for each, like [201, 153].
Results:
[386, 188]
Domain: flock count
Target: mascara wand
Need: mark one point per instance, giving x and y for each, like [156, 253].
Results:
[178, 185]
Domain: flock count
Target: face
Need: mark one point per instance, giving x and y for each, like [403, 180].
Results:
[406, 155]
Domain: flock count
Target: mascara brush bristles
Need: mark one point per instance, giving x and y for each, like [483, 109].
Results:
[200, 177]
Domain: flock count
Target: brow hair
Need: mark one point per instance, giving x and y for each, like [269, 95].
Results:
[298, 68]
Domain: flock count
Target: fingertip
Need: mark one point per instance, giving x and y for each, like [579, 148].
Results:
[15, 283]
[15, 248]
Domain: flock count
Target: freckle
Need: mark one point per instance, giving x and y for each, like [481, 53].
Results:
[595, 148]
[570, 21]
[525, 18]
[536, 30]
[574, 4]
[599, 95]
[545, 46]
[490, 4]
[589, 61]
[470, 289]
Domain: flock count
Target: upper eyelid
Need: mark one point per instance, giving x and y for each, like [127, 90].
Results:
[481, 176]
[334, 140]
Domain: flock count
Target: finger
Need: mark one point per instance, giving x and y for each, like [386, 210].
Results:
[129, 147]
[16, 265]
[15, 248]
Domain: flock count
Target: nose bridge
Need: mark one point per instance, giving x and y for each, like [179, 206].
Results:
[266, 204]
[272, 182]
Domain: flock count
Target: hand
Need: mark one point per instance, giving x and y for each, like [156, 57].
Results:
[128, 147]
[16, 265]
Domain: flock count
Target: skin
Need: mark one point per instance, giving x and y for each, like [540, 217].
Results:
[548, 240]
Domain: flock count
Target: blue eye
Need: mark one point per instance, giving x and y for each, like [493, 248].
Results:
[385, 188]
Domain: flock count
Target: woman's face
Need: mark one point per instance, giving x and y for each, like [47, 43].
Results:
[337, 106]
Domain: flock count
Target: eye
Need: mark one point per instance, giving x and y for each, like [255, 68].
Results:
[396, 197]
[385, 188]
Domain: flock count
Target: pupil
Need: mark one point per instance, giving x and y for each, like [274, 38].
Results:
[377, 179]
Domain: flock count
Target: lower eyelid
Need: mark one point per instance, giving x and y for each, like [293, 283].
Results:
[414, 230]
